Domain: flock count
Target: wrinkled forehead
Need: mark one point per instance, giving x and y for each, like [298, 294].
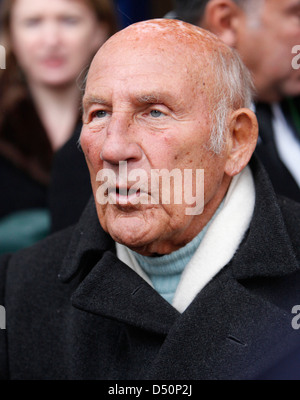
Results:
[172, 40]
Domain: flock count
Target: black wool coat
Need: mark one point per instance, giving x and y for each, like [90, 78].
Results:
[74, 311]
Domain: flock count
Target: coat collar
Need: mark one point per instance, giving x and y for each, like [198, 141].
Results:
[115, 291]
[267, 246]
[87, 245]
[103, 278]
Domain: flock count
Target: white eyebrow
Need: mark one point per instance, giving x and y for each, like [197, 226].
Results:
[94, 100]
[149, 98]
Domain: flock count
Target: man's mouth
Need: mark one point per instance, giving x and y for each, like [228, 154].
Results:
[123, 195]
[127, 192]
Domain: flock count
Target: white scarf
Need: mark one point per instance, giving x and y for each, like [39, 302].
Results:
[218, 246]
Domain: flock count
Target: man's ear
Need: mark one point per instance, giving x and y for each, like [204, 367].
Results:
[220, 18]
[242, 139]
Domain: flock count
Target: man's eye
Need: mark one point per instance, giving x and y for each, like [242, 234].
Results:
[156, 113]
[99, 114]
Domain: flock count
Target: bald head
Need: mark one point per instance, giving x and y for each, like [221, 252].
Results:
[170, 36]
[166, 28]
[212, 68]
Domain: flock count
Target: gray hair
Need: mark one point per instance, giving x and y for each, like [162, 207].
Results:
[233, 89]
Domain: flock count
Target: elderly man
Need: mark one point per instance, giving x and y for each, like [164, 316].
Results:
[190, 279]
[266, 34]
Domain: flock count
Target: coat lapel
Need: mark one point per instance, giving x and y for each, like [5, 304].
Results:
[115, 291]
[266, 250]
[228, 332]
[108, 287]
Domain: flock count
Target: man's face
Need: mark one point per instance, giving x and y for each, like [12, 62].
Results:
[145, 104]
[266, 48]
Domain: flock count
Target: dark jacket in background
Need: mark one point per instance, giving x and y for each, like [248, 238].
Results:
[74, 311]
[70, 184]
[25, 160]
[282, 180]
[25, 164]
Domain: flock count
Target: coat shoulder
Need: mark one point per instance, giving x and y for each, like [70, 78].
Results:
[35, 266]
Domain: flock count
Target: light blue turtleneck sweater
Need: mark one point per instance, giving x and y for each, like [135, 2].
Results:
[165, 271]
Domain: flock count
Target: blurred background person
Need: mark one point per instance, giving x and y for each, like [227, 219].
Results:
[49, 44]
[264, 33]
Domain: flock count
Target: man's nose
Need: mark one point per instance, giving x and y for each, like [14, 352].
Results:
[120, 142]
